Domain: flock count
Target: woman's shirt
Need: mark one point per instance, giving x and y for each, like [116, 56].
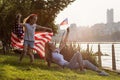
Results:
[29, 32]
[58, 58]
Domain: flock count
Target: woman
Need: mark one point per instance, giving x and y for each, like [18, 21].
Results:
[75, 63]
[29, 32]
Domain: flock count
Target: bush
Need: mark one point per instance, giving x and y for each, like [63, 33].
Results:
[89, 56]
[69, 51]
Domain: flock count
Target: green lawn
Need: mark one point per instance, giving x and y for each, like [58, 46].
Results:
[10, 69]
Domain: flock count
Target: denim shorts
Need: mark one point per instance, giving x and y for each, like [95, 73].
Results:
[29, 43]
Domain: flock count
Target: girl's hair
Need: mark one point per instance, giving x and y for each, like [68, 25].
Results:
[31, 16]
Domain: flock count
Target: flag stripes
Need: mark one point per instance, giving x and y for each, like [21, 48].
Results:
[40, 39]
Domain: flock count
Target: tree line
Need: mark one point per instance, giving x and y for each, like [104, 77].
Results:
[47, 11]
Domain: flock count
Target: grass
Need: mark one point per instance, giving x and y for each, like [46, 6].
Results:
[10, 69]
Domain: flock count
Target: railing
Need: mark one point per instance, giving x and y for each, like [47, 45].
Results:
[99, 51]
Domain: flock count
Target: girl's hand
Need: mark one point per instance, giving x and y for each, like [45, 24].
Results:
[49, 30]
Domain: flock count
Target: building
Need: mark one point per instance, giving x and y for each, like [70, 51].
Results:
[85, 33]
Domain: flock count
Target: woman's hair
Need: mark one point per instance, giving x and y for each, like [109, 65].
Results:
[31, 16]
[48, 54]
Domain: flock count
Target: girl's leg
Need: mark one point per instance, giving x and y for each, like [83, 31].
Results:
[23, 53]
[30, 53]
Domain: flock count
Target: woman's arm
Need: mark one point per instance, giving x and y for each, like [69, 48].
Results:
[64, 40]
[41, 28]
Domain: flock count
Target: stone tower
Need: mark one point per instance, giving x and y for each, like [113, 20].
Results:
[110, 16]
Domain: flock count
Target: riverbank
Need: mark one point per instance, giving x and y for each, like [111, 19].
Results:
[10, 69]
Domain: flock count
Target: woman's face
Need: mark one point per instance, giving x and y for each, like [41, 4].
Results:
[52, 46]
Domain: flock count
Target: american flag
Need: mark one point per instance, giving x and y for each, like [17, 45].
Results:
[64, 22]
[40, 39]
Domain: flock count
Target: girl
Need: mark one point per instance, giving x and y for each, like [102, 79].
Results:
[75, 63]
[30, 26]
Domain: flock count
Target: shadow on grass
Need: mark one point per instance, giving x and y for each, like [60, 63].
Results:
[13, 60]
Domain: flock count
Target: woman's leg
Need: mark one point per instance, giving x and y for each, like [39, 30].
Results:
[76, 61]
[91, 66]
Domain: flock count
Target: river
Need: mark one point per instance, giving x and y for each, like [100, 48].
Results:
[106, 49]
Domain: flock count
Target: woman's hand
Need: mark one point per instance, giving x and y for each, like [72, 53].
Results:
[68, 30]
[64, 40]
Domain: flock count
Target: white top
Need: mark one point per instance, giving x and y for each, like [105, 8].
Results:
[58, 58]
[29, 32]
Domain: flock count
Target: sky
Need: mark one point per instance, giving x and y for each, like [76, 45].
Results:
[89, 12]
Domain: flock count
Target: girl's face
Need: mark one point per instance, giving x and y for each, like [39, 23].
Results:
[33, 20]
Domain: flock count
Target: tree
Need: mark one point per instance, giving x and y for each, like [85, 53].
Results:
[47, 11]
